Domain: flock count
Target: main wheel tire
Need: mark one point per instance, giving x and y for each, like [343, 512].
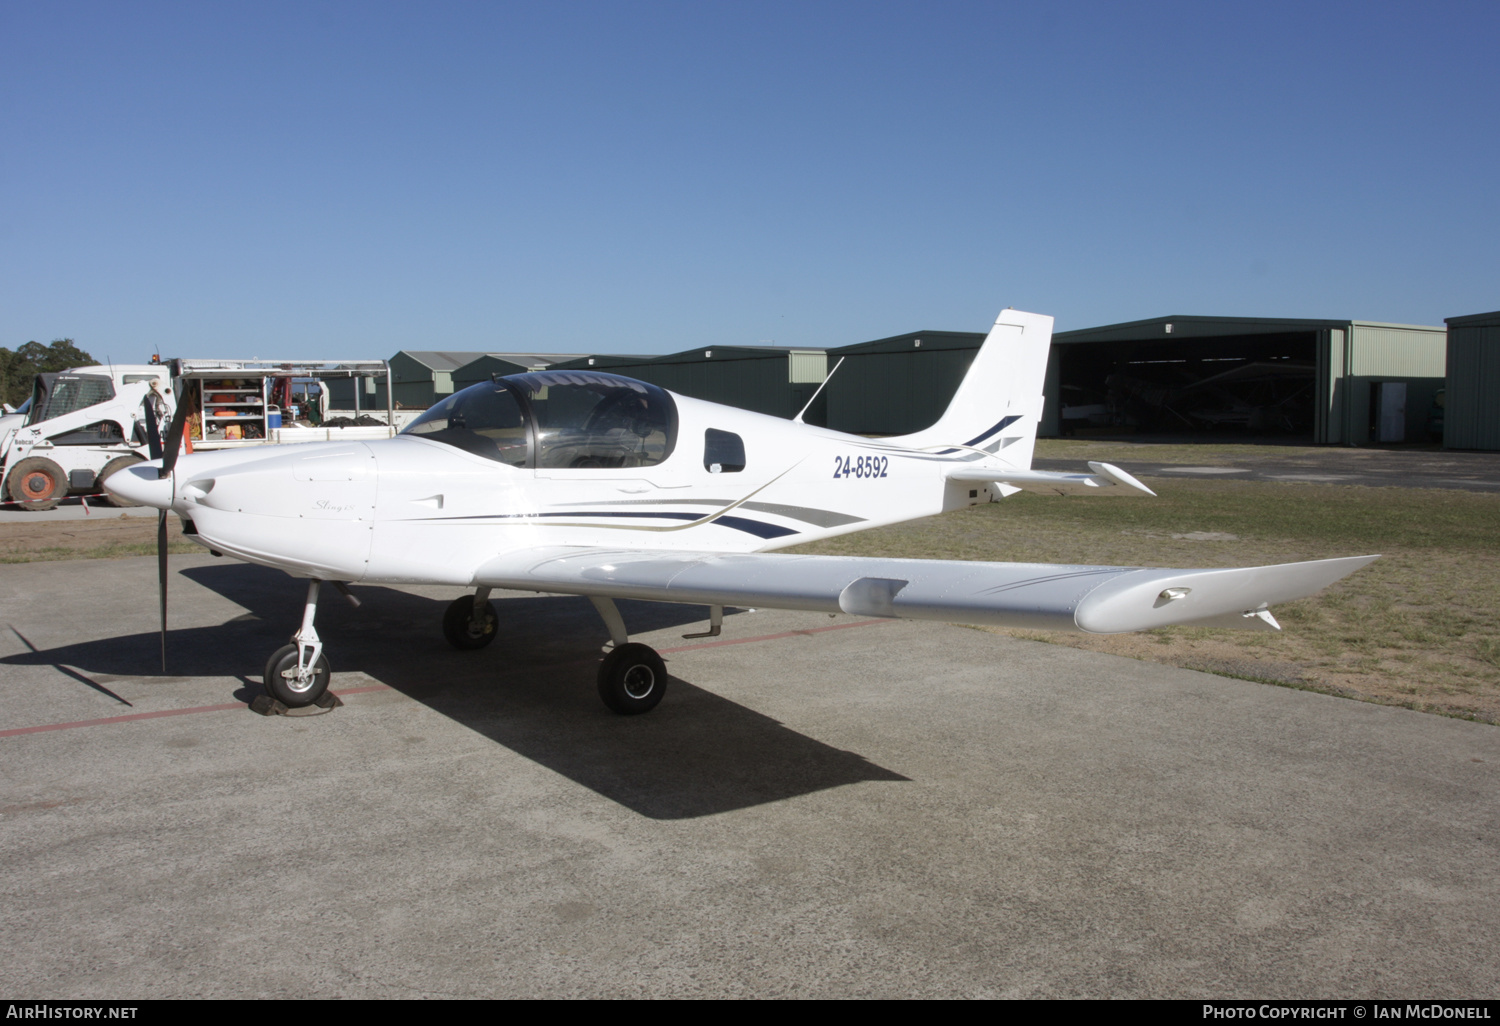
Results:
[461, 630]
[289, 691]
[632, 679]
[113, 466]
[37, 483]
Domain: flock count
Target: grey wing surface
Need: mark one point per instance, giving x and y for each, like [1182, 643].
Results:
[1042, 596]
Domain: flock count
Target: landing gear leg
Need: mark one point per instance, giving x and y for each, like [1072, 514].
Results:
[632, 678]
[297, 674]
[470, 621]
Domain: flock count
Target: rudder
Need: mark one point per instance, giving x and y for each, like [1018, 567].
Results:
[998, 405]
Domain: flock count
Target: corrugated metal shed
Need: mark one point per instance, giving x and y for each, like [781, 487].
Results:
[897, 385]
[1471, 418]
[765, 379]
[1411, 354]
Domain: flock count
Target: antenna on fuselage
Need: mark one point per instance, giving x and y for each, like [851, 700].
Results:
[798, 418]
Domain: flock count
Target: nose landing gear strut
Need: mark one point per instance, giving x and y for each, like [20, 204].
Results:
[298, 674]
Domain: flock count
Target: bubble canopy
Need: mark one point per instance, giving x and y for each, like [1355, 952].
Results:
[577, 419]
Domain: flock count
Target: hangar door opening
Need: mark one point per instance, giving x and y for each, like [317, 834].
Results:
[1248, 385]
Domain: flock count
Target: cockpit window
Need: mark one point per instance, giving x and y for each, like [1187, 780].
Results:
[557, 419]
[589, 420]
[484, 419]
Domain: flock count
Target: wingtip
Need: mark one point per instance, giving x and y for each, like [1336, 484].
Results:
[1110, 472]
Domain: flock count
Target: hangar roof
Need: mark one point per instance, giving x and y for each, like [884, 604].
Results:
[1192, 326]
[1483, 320]
[731, 353]
[602, 361]
[914, 340]
[441, 360]
[450, 359]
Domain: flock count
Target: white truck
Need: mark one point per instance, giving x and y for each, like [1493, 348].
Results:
[83, 424]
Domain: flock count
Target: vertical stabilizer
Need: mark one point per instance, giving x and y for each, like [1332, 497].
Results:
[998, 405]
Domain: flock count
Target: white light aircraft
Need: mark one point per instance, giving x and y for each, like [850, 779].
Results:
[583, 483]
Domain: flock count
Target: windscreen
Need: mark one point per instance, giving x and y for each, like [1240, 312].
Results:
[484, 419]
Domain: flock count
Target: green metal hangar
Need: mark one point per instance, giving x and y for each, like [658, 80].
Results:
[419, 378]
[764, 379]
[422, 377]
[897, 385]
[1471, 417]
[1323, 381]
[492, 365]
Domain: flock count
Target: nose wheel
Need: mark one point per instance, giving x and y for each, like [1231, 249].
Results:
[297, 674]
[293, 684]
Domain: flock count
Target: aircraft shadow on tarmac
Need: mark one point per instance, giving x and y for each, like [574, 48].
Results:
[532, 691]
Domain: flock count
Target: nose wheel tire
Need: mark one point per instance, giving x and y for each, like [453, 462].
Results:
[632, 679]
[283, 683]
[461, 630]
[37, 483]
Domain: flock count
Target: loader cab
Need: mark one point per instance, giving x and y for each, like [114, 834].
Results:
[56, 395]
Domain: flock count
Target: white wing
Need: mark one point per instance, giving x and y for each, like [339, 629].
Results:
[1096, 599]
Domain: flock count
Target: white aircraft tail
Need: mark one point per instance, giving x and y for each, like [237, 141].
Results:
[998, 405]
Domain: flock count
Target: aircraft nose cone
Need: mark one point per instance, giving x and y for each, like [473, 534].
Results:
[139, 484]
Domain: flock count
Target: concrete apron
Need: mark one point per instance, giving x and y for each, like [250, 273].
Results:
[880, 809]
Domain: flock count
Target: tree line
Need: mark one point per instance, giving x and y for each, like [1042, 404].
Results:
[18, 369]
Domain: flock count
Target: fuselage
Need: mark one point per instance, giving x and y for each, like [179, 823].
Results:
[436, 502]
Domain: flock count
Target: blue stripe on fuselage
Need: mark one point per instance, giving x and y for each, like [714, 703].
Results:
[758, 528]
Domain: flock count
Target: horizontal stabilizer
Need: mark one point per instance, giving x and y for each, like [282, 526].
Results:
[1095, 599]
[1106, 479]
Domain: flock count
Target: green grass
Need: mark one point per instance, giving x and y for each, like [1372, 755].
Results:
[1191, 454]
[1209, 453]
[1417, 628]
[116, 551]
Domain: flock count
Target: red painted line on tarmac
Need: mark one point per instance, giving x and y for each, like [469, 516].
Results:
[18, 731]
[123, 719]
[165, 712]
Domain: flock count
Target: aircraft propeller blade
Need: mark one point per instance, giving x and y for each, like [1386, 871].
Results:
[153, 431]
[171, 447]
[161, 580]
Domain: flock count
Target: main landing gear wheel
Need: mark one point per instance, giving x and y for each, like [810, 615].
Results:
[37, 483]
[462, 630]
[632, 679]
[291, 689]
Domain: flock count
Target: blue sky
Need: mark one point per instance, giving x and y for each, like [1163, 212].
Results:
[349, 179]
